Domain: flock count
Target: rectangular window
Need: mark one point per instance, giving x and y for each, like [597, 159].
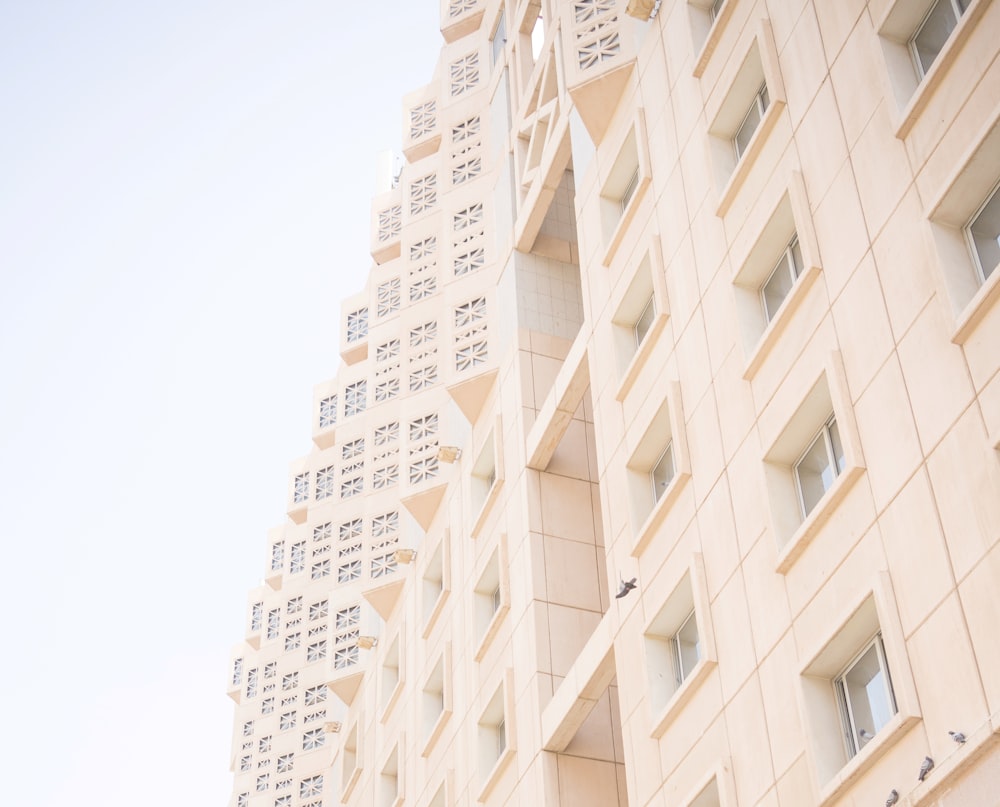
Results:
[983, 233]
[644, 321]
[686, 648]
[499, 39]
[819, 466]
[933, 32]
[786, 271]
[752, 120]
[864, 693]
[662, 473]
[630, 188]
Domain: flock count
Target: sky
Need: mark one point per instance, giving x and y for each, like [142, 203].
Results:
[184, 201]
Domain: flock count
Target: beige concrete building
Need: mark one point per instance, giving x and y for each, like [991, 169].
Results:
[663, 464]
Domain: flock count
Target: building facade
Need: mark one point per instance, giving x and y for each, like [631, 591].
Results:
[663, 463]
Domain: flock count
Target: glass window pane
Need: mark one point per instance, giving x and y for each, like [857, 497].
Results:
[867, 691]
[933, 33]
[985, 234]
[645, 321]
[795, 250]
[814, 473]
[836, 446]
[747, 128]
[687, 650]
[776, 288]
[662, 472]
[630, 188]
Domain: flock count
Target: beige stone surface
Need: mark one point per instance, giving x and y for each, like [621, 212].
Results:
[504, 608]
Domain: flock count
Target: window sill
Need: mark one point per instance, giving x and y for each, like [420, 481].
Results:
[350, 784]
[432, 617]
[659, 512]
[435, 733]
[495, 774]
[945, 60]
[640, 357]
[712, 40]
[780, 321]
[681, 697]
[820, 514]
[491, 631]
[749, 158]
[484, 511]
[978, 307]
[861, 762]
[628, 214]
[392, 701]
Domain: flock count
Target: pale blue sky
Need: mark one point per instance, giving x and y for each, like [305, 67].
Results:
[184, 200]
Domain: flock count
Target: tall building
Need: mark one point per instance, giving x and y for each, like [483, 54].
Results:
[663, 464]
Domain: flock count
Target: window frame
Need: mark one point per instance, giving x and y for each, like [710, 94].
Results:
[687, 599]
[792, 260]
[851, 730]
[825, 434]
[854, 624]
[760, 103]
[984, 275]
[654, 472]
[957, 10]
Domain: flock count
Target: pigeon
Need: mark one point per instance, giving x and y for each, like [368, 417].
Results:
[957, 736]
[893, 798]
[627, 586]
[925, 768]
[865, 736]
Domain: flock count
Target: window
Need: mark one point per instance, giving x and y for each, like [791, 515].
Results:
[494, 746]
[623, 187]
[864, 694]
[392, 677]
[659, 466]
[933, 32]
[436, 583]
[679, 646]
[630, 188]
[715, 8]
[492, 598]
[686, 648]
[752, 120]
[499, 40]
[486, 479]
[640, 314]
[743, 107]
[819, 465]
[857, 691]
[387, 790]
[286, 721]
[645, 321]
[814, 458]
[782, 278]
[663, 472]
[983, 233]
[436, 700]
[350, 759]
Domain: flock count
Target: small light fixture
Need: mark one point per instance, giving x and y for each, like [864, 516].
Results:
[405, 555]
[449, 454]
[367, 642]
[332, 728]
